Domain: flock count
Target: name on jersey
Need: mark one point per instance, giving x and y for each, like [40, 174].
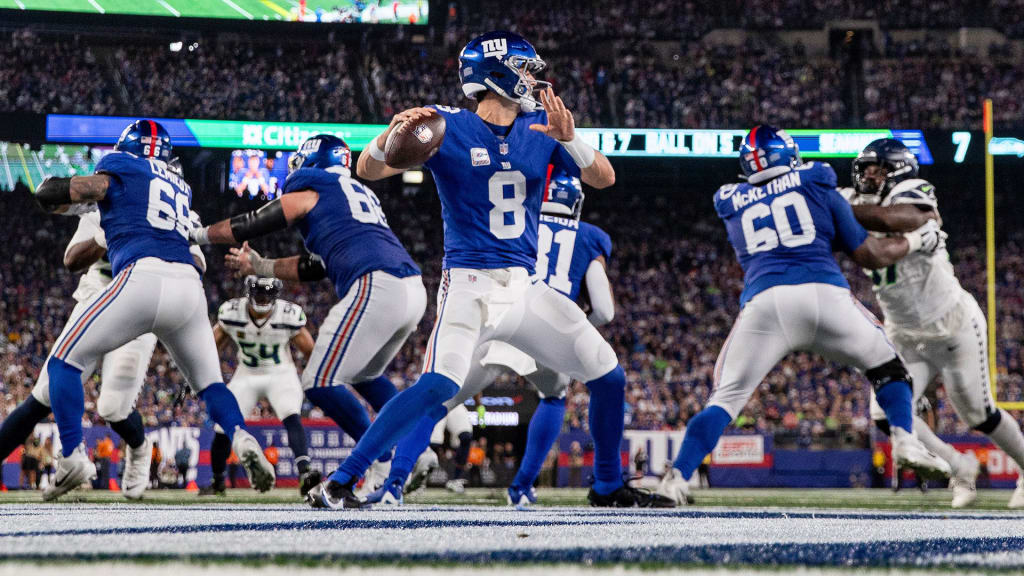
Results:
[160, 169]
[567, 222]
[776, 186]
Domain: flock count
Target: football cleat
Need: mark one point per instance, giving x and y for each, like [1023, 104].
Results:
[456, 486]
[374, 478]
[215, 488]
[521, 499]
[1017, 500]
[675, 488]
[257, 467]
[389, 494]
[911, 453]
[72, 472]
[962, 483]
[136, 471]
[334, 496]
[627, 496]
[425, 464]
[309, 480]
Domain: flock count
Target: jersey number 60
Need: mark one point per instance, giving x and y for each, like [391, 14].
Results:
[768, 238]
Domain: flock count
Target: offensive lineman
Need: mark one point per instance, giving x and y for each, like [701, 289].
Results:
[490, 172]
[382, 297]
[145, 214]
[572, 258]
[262, 326]
[123, 370]
[936, 325]
[783, 223]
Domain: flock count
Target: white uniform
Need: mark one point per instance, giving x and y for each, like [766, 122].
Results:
[265, 367]
[936, 325]
[123, 370]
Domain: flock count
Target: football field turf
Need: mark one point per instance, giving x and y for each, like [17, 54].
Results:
[731, 531]
[236, 9]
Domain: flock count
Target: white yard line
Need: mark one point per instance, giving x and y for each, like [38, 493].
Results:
[238, 9]
[169, 8]
[97, 6]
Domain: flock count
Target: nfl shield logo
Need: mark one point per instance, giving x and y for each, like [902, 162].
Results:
[503, 148]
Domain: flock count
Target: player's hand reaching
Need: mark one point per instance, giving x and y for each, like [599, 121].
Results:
[561, 126]
[241, 260]
[926, 238]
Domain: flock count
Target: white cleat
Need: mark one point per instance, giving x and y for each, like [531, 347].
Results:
[136, 471]
[425, 464]
[910, 453]
[257, 467]
[374, 478]
[963, 482]
[1017, 500]
[72, 472]
[674, 487]
[457, 486]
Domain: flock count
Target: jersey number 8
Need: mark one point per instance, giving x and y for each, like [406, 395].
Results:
[768, 238]
[502, 226]
[171, 213]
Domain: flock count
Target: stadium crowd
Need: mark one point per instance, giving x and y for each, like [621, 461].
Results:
[676, 300]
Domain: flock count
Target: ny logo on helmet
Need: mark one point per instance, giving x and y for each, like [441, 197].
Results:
[496, 47]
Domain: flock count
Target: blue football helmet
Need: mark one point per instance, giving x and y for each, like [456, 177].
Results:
[890, 154]
[768, 152]
[564, 197]
[504, 63]
[146, 139]
[322, 151]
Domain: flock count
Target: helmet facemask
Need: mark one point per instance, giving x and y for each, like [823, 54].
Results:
[526, 70]
[262, 293]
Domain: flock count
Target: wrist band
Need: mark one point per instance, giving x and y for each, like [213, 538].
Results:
[375, 152]
[262, 266]
[201, 236]
[914, 239]
[580, 151]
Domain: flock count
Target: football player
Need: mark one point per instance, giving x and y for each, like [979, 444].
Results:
[123, 370]
[937, 326]
[382, 297]
[491, 171]
[783, 223]
[262, 326]
[145, 214]
[572, 258]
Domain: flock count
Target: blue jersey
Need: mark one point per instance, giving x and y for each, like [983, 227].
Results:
[566, 249]
[347, 229]
[491, 188]
[784, 230]
[145, 212]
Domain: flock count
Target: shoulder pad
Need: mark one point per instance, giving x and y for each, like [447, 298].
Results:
[913, 191]
[848, 194]
[232, 310]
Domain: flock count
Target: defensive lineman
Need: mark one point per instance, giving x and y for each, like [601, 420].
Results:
[490, 172]
[937, 326]
[262, 326]
[783, 223]
[572, 258]
[381, 291]
[145, 214]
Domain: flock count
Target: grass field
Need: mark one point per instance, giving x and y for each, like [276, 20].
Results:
[730, 531]
[231, 9]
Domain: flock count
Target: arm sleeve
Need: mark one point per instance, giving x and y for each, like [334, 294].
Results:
[88, 226]
[600, 291]
[849, 233]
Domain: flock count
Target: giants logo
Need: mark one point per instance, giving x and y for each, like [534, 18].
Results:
[496, 47]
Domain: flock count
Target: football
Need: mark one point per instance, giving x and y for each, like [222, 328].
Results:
[413, 142]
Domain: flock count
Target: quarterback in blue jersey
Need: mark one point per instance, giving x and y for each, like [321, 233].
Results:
[572, 258]
[145, 214]
[783, 223]
[382, 297]
[490, 172]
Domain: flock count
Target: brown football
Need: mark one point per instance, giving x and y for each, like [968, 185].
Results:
[413, 142]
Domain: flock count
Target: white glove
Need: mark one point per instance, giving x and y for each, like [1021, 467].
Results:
[924, 239]
[199, 235]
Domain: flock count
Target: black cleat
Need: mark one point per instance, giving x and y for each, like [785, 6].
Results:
[334, 496]
[629, 497]
[215, 488]
[308, 481]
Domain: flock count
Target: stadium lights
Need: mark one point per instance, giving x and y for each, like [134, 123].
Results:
[412, 177]
[175, 46]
